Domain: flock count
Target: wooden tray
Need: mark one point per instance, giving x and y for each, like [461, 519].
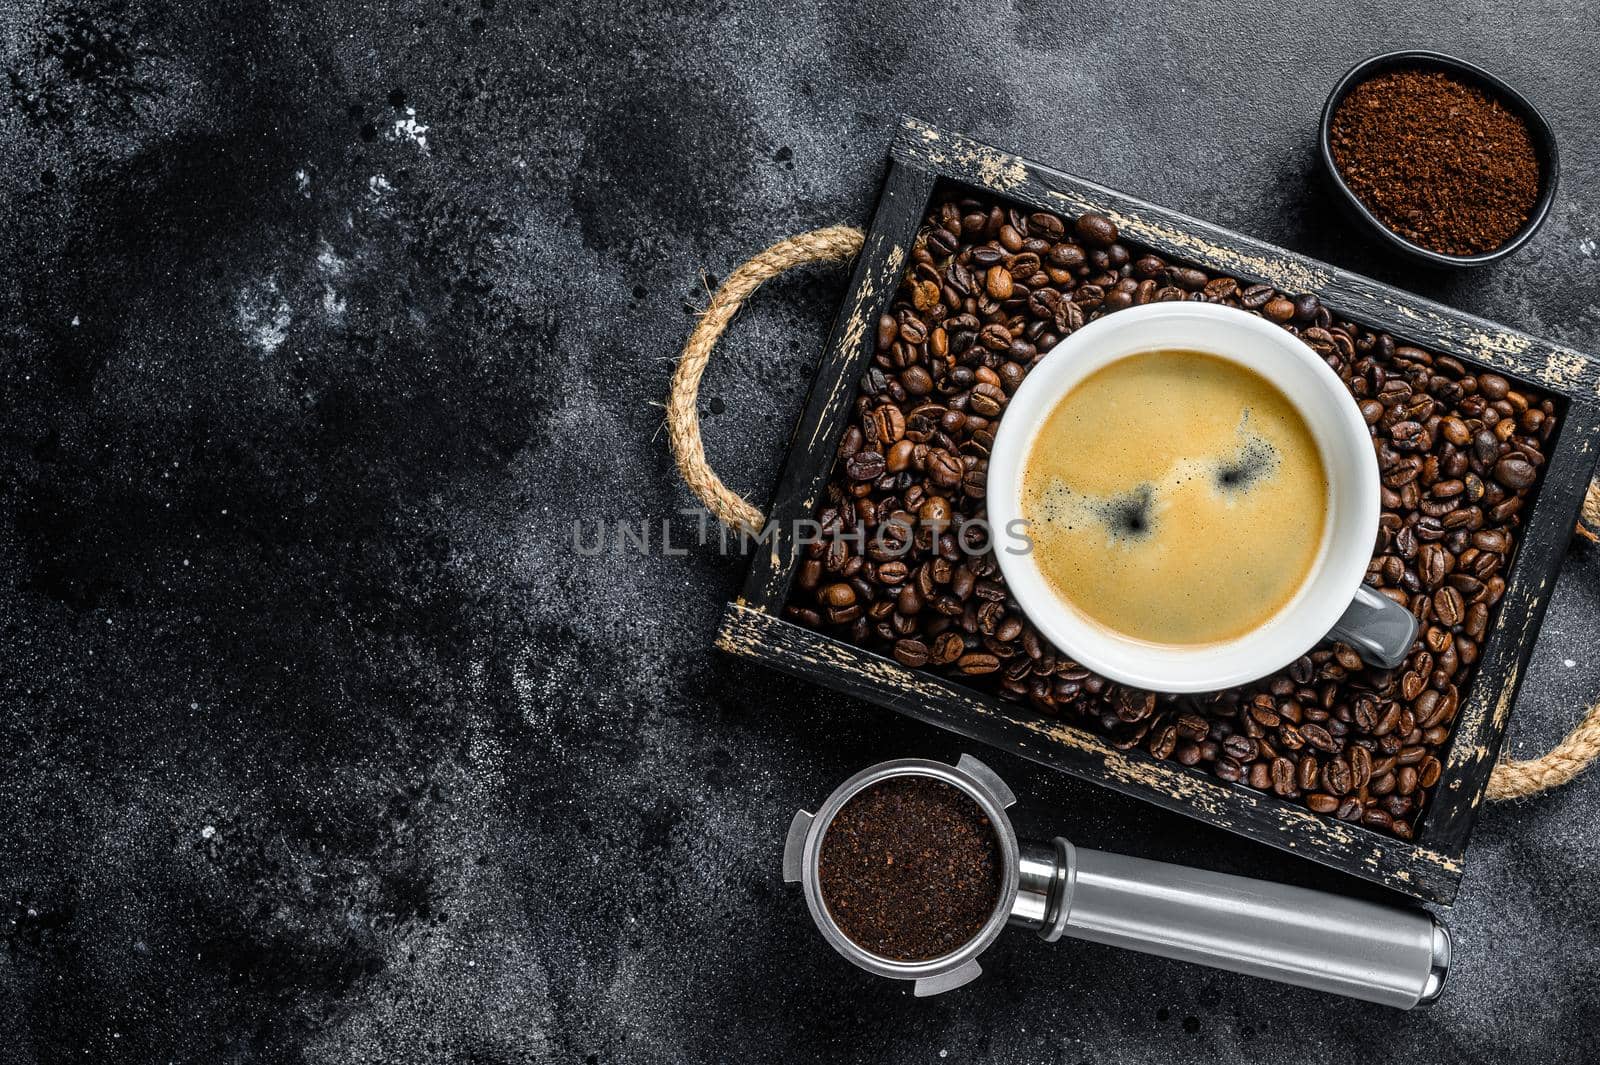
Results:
[1429, 867]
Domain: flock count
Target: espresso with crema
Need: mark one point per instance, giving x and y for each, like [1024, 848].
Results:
[1175, 497]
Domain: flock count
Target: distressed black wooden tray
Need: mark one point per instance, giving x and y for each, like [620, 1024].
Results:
[1430, 866]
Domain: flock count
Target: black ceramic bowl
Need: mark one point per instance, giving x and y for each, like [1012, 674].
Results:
[1544, 143]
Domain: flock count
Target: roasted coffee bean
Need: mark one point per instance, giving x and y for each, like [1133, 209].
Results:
[1318, 737]
[977, 663]
[997, 282]
[1494, 540]
[1283, 776]
[1069, 255]
[947, 648]
[1229, 770]
[1307, 772]
[1455, 430]
[1149, 266]
[865, 466]
[1279, 309]
[804, 615]
[1254, 297]
[1163, 741]
[1337, 776]
[1096, 229]
[1433, 564]
[1365, 712]
[1449, 606]
[1477, 620]
[838, 595]
[888, 423]
[1360, 766]
[987, 400]
[1485, 446]
[843, 615]
[1264, 715]
[1387, 720]
[901, 454]
[888, 328]
[1290, 738]
[1240, 748]
[944, 469]
[1515, 472]
[1427, 708]
[912, 653]
[1321, 803]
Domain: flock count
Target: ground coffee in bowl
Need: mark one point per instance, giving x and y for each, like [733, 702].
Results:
[1437, 160]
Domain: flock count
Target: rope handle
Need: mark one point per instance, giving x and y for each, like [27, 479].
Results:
[1511, 779]
[832, 244]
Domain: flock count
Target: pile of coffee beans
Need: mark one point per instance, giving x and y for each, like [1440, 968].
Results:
[910, 868]
[991, 288]
[1437, 160]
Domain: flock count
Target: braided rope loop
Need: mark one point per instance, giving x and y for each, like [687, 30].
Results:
[831, 244]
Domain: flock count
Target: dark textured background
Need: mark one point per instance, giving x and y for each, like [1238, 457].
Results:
[323, 322]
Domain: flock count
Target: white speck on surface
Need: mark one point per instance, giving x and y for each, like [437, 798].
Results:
[1588, 246]
[76, 321]
[328, 260]
[408, 128]
[378, 186]
[1568, 663]
[302, 183]
[332, 268]
[208, 832]
[263, 315]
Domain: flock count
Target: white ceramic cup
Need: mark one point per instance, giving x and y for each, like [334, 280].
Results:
[1333, 600]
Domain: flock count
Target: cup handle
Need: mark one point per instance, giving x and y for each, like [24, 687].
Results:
[1380, 629]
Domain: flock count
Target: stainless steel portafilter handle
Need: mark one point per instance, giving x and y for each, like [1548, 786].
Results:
[1365, 950]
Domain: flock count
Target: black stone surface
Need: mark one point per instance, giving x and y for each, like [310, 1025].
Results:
[320, 326]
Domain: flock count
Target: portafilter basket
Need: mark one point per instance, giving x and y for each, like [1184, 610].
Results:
[1385, 954]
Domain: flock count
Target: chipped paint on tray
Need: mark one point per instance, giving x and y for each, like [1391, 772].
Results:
[999, 170]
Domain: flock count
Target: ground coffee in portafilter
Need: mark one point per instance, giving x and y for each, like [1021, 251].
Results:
[910, 868]
[1438, 160]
